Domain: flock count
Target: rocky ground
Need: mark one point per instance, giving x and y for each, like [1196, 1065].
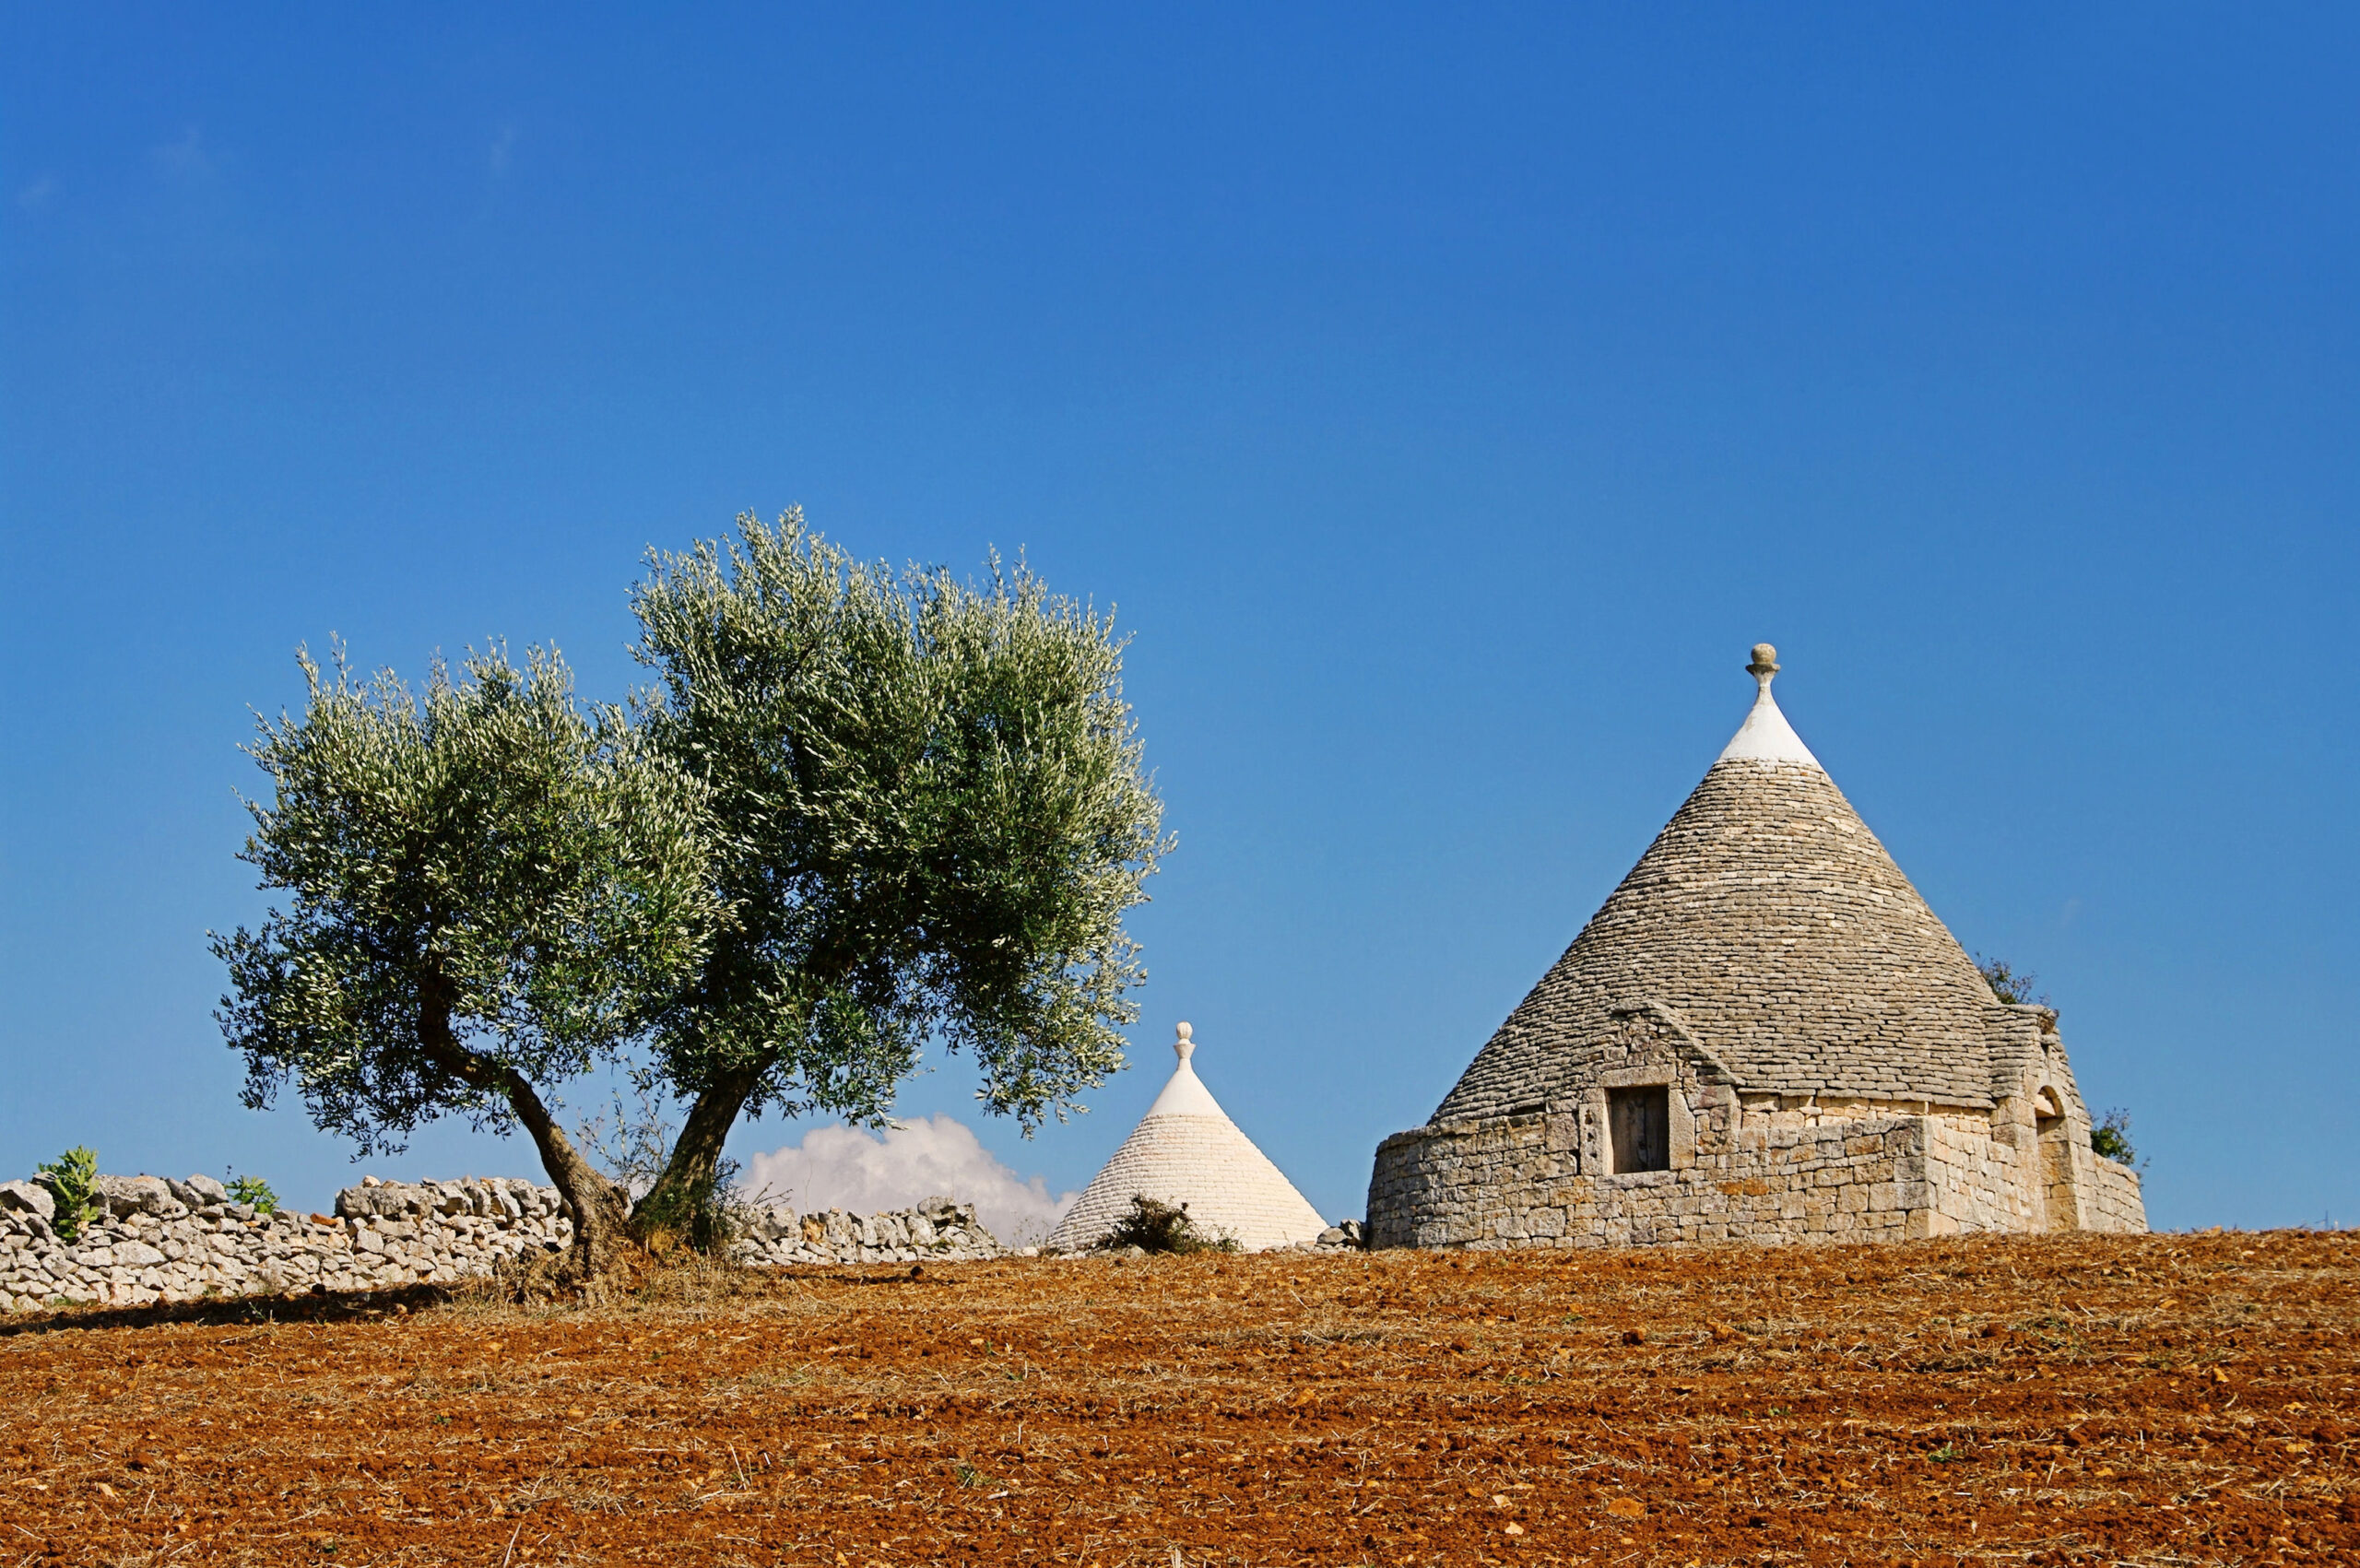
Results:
[2101, 1399]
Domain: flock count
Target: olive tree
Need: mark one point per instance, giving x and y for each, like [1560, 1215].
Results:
[931, 817]
[486, 890]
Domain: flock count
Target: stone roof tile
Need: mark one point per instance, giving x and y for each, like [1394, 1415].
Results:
[1771, 921]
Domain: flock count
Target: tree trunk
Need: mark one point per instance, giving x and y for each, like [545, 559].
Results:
[601, 1219]
[687, 1183]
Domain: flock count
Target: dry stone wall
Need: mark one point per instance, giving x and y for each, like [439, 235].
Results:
[174, 1240]
[178, 1241]
[937, 1229]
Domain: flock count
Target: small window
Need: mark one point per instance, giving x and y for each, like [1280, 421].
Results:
[1640, 1121]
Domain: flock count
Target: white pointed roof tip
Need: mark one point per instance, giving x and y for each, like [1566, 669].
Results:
[1186, 1151]
[1185, 1094]
[1766, 736]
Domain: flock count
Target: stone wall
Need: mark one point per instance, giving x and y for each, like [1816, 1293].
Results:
[1838, 1171]
[936, 1228]
[1747, 1164]
[1976, 1183]
[163, 1241]
[2116, 1199]
[175, 1241]
[1512, 1183]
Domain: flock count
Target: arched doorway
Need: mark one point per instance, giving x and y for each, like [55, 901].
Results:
[2057, 1197]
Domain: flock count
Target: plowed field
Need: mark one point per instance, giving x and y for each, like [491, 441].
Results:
[2150, 1399]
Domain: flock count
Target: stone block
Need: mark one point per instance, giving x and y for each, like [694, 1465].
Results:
[134, 1195]
[28, 1198]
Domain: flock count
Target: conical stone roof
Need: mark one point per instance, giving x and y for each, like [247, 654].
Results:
[1185, 1151]
[1774, 928]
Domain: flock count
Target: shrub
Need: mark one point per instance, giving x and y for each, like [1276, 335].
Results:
[1160, 1228]
[252, 1191]
[73, 1181]
[707, 1213]
[2012, 985]
[2110, 1139]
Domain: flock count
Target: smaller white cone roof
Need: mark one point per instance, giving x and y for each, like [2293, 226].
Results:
[1185, 1151]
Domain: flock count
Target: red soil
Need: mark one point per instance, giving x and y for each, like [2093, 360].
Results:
[2164, 1399]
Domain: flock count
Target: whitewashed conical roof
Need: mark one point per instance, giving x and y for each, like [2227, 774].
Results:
[1185, 1151]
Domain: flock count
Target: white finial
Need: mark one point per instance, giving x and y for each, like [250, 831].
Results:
[1766, 736]
[1185, 1094]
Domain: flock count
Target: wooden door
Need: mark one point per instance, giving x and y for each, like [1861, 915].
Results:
[1640, 1123]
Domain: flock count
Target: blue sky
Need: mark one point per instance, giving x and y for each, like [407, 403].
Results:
[1446, 398]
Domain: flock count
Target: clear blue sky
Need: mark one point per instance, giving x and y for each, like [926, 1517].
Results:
[1446, 398]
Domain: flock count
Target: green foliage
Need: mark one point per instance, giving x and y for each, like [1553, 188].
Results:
[932, 816]
[253, 1192]
[861, 811]
[2110, 1139]
[1160, 1228]
[73, 1182]
[2009, 984]
[486, 888]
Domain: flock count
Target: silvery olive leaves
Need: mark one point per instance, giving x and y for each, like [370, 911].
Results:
[487, 850]
[933, 815]
[858, 812]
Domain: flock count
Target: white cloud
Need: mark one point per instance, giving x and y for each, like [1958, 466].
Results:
[933, 1156]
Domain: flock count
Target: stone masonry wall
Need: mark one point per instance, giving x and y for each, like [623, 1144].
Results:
[2115, 1198]
[1750, 1165]
[1508, 1184]
[174, 1240]
[1977, 1183]
[1849, 1172]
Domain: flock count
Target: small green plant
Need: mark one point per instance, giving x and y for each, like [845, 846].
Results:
[1948, 1453]
[2110, 1139]
[1159, 1228]
[970, 1476]
[2011, 985]
[252, 1191]
[73, 1182]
